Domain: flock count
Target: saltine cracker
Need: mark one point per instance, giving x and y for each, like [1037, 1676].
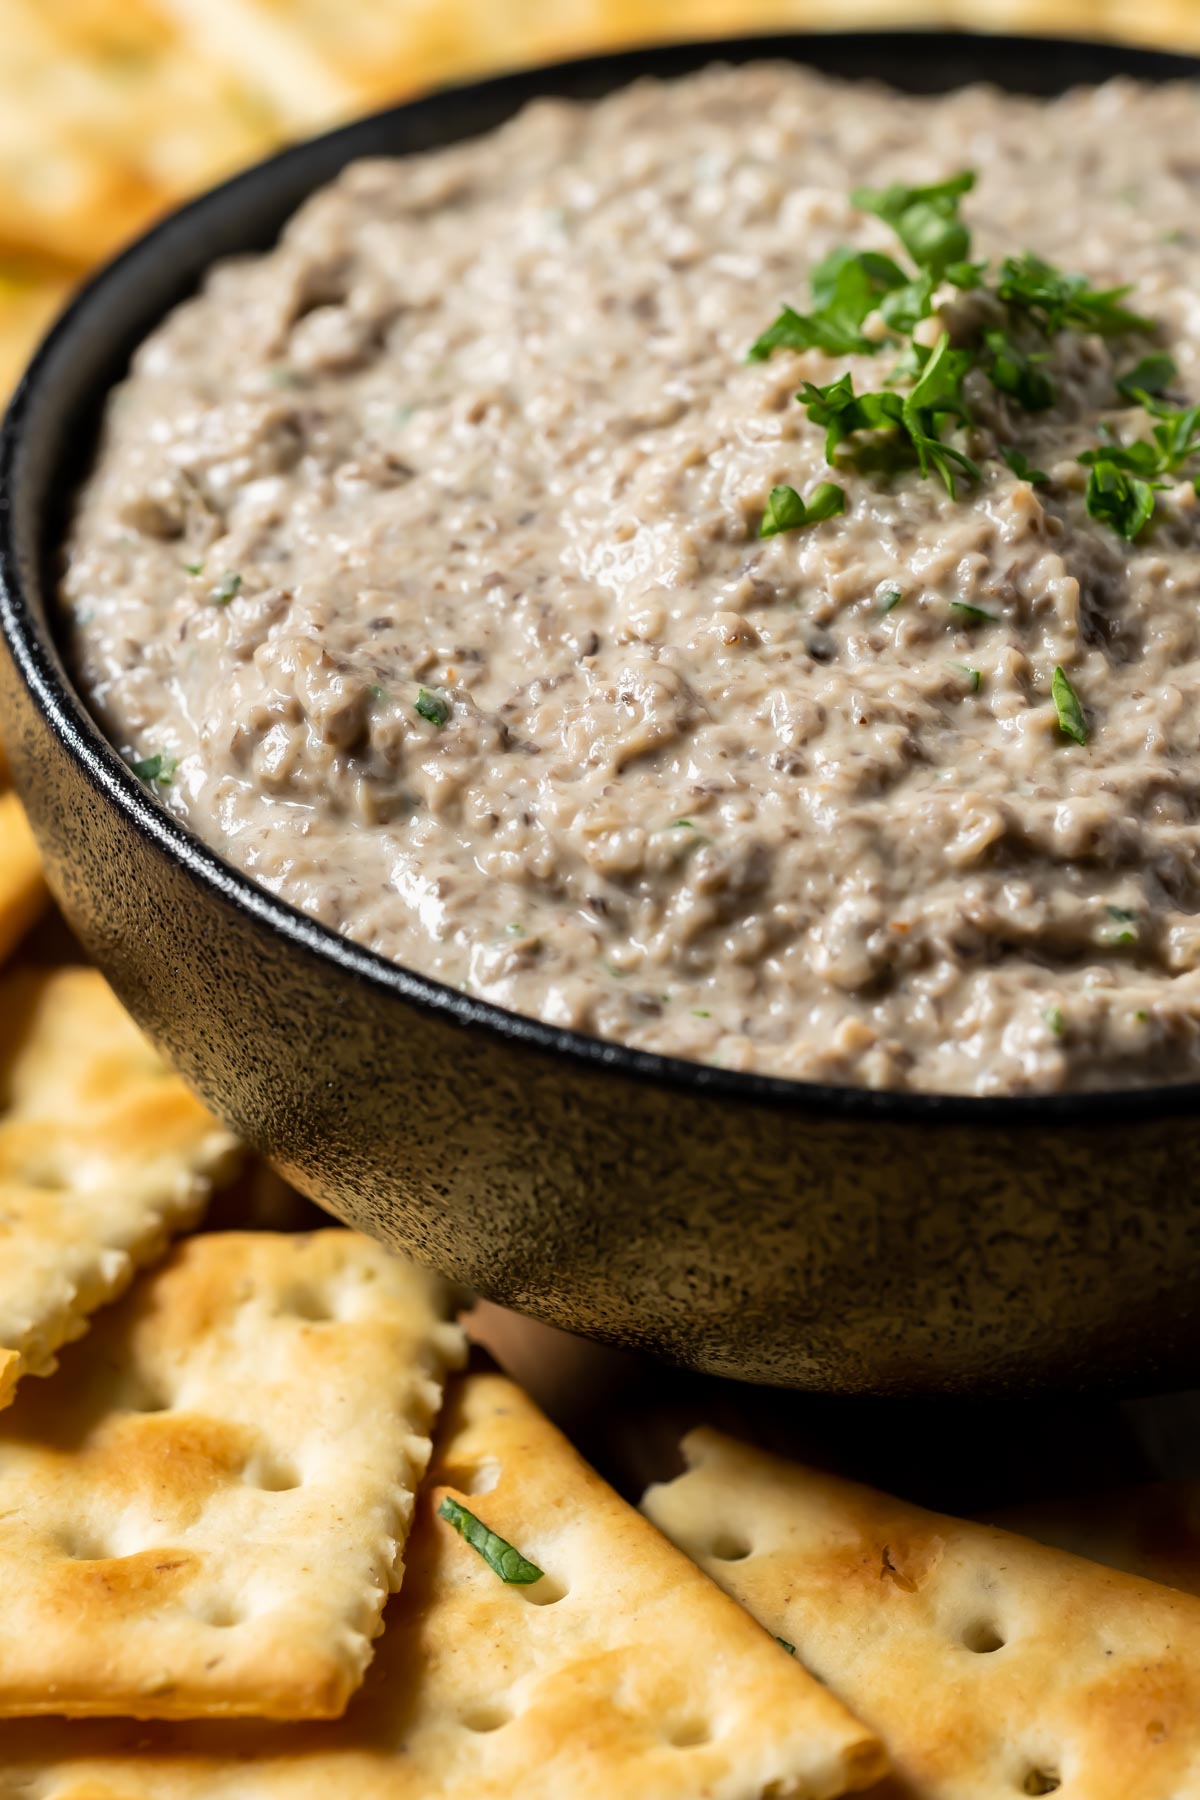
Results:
[624, 1671]
[204, 1513]
[104, 1154]
[989, 1665]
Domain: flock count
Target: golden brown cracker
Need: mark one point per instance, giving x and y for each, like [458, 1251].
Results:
[204, 1513]
[623, 1671]
[989, 1665]
[103, 1156]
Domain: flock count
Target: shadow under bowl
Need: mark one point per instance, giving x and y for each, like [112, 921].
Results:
[776, 1231]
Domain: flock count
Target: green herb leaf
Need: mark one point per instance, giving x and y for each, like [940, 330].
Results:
[1120, 499]
[849, 284]
[229, 585]
[500, 1556]
[156, 768]
[965, 274]
[937, 395]
[1139, 457]
[1153, 375]
[1128, 922]
[432, 707]
[193, 568]
[905, 306]
[1177, 435]
[1056, 301]
[908, 365]
[1054, 1018]
[843, 412]
[788, 511]
[1017, 374]
[1023, 469]
[939, 388]
[800, 331]
[790, 1648]
[891, 202]
[974, 614]
[972, 677]
[889, 600]
[1071, 721]
[925, 219]
[846, 287]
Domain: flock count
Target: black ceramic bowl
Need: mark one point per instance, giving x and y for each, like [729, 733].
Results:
[778, 1231]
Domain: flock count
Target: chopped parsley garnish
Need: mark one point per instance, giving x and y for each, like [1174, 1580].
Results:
[846, 287]
[1176, 436]
[701, 1012]
[229, 585]
[925, 219]
[1017, 373]
[500, 1556]
[1153, 375]
[791, 331]
[1053, 1016]
[916, 418]
[966, 275]
[1128, 922]
[974, 614]
[379, 694]
[1071, 721]
[432, 707]
[1120, 499]
[938, 395]
[788, 511]
[193, 568]
[156, 768]
[924, 391]
[1023, 469]
[890, 600]
[684, 825]
[1057, 301]
[843, 412]
[972, 677]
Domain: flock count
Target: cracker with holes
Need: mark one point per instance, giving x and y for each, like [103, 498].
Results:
[547, 1643]
[203, 1515]
[22, 890]
[104, 1154]
[990, 1666]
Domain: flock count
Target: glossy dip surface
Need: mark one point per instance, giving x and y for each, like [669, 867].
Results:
[421, 564]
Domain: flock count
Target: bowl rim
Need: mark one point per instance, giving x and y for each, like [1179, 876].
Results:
[39, 665]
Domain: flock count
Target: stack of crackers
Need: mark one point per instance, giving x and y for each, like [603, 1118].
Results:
[264, 1532]
[263, 1529]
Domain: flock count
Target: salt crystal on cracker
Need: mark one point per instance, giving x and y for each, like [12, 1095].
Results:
[991, 1667]
[623, 1674]
[103, 1156]
[203, 1514]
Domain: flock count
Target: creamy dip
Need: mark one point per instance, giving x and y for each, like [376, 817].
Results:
[420, 563]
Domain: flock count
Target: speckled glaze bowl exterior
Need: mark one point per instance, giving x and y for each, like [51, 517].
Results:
[769, 1230]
